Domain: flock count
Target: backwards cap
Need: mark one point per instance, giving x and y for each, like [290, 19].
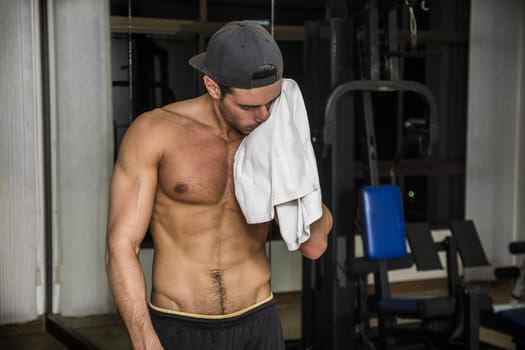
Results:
[235, 52]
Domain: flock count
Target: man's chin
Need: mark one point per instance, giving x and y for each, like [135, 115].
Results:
[244, 131]
[247, 131]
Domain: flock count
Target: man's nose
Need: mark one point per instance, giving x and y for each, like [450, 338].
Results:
[262, 113]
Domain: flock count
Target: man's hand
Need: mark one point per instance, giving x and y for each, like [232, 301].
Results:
[150, 342]
[316, 245]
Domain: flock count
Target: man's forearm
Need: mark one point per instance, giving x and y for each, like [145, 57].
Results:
[316, 245]
[128, 286]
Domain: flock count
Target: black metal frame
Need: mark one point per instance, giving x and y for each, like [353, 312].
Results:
[343, 303]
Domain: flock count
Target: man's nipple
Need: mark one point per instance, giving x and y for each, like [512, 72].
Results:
[180, 188]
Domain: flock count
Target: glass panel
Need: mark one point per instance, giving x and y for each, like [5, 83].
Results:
[180, 9]
[434, 199]
[160, 74]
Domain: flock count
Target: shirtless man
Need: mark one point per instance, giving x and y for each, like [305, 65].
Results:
[174, 174]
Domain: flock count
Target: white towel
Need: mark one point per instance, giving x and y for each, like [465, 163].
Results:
[275, 167]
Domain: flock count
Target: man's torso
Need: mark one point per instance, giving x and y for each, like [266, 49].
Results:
[207, 259]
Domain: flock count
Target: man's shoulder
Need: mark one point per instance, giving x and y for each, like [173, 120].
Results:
[147, 130]
[157, 119]
[170, 118]
[185, 111]
[177, 113]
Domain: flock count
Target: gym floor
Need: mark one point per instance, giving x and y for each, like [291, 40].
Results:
[107, 332]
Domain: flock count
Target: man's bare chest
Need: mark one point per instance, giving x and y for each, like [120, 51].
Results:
[198, 172]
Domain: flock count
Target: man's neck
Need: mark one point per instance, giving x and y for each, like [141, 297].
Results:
[226, 130]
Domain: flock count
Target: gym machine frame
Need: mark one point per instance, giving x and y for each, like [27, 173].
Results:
[335, 305]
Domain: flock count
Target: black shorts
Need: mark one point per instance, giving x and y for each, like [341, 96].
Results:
[257, 327]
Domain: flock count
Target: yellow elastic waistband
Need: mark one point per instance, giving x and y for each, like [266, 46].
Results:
[212, 317]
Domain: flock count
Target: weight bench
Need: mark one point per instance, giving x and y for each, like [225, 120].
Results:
[472, 255]
[471, 252]
[513, 318]
[470, 248]
[440, 319]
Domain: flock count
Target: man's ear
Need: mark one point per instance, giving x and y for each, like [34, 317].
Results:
[212, 87]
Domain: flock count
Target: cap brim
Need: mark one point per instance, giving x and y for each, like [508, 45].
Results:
[197, 62]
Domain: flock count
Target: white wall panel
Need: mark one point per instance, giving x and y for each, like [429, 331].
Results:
[495, 160]
[82, 152]
[21, 164]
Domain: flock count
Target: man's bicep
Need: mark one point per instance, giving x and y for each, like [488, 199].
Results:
[132, 194]
[131, 204]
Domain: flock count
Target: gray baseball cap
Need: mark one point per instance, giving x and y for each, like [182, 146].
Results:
[235, 52]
